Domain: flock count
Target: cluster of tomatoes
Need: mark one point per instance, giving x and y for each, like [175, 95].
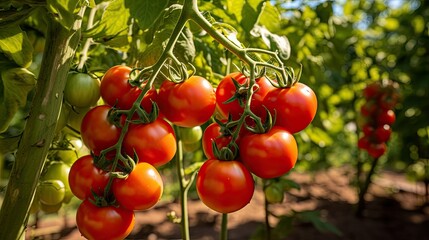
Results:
[378, 116]
[136, 139]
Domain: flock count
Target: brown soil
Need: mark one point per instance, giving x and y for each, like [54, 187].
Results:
[395, 210]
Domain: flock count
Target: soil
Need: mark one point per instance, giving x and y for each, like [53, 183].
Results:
[396, 209]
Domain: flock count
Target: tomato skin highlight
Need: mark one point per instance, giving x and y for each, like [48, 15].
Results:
[141, 190]
[269, 155]
[84, 178]
[154, 143]
[224, 186]
[294, 107]
[96, 130]
[113, 223]
[189, 103]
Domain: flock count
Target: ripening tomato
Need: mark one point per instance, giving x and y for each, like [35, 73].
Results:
[141, 190]
[224, 186]
[97, 132]
[376, 150]
[189, 103]
[269, 155]
[111, 222]
[226, 90]
[85, 178]
[154, 142]
[213, 133]
[294, 107]
[81, 90]
[386, 117]
[117, 91]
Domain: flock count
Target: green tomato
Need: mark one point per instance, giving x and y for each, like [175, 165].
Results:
[50, 208]
[190, 135]
[81, 90]
[57, 170]
[191, 147]
[274, 193]
[51, 192]
[67, 156]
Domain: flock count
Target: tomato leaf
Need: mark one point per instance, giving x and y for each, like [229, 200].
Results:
[17, 83]
[273, 41]
[145, 12]
[9, 144]
[249, 14]
[15, 45]
[65, 11]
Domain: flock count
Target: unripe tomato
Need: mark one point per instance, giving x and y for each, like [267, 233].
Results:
[48, 209]
[51, 192]
[274, 193]
[190, 135]
[59, 171]
[81, 90]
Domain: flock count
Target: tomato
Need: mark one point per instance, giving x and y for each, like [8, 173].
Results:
[154, 143]
[364, 142]
[224, 186]
[213, 133]
[104, 222]
[85, 178]
[226, 90]
[97, 132]
[117, 91]
[81, 90]
[191, 147]
[47, 209]
[58, 171]
[386, 117]
[368, 129]
[269, 155]
[372, 90]
[369, 108]
[376, 150]
[294, 107]
[141, 190]
[189, 103]
[51, 192]
[274, 193]
[190, 135]
[382, 133]
[68, 156]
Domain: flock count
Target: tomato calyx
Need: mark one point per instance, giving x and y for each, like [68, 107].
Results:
[259, 125]
[228, 128]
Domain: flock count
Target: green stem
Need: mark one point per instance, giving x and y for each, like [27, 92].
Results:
[39, 132]
[361, 201]
[267, 215]
[224, 227]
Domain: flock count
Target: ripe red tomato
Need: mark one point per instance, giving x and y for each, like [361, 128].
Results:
[213, 133]
[189, 103]
[386, 117]
[368, 129]
[224, 186]
[364, 142]
[369, 108]
[376, 150]
[154, 143]
[104, 222]
[226, 90]
[97, 132]
[372, 90]
[85, 178]
[141, 190]
[382, 133]
[117, 91]
[269, 155]
[294, 107]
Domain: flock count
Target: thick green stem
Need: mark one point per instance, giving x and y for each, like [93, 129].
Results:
[267, 216]
[224, 227]
[364, 189]
[60, 48]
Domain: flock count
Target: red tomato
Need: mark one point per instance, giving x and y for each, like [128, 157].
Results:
[104, 222]
[269, 155]
[213, 133]
[364, 142]
[386, 117]
[369, 108]
[368, 130]
[117, 91]
[97, 132]
[294, 107]
[376, 150]
[226, 90]
[372, 90]
[154, 143]
[141, 190]
[189, 103]
[224, 186]
[382, 133]
[85, 178]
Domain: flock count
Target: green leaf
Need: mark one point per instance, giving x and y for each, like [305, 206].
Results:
[15, 45]
[145, 12]
[270, 18]
[314, 218]
[17, 83]
[289, 184]
[250, 13]
[273, 41]
[9, 144]
[319, 136]
[12, 16]
[65, 11]
[283, 227]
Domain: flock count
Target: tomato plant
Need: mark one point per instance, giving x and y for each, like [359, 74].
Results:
[141, 190]
[214, 134]
[81, 90]
[269, 155]
[294, 108]
[108, 222]
[189, 103]
[224, 186]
